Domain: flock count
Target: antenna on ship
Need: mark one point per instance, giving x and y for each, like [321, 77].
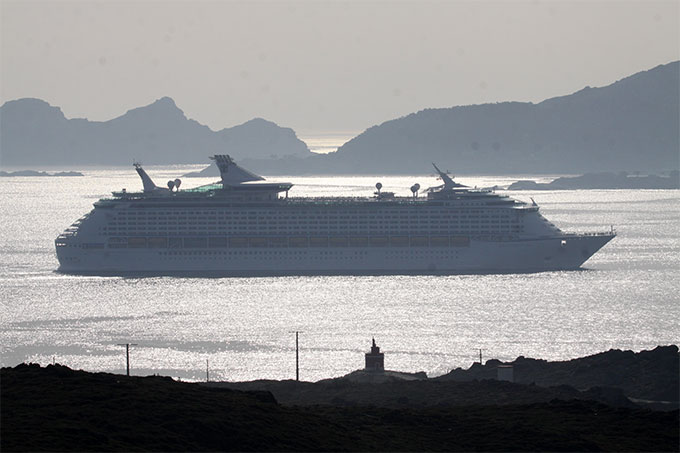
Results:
[378, 186]
[415, 188]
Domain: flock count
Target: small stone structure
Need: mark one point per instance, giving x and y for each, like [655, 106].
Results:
[375, 360]
[506, 373]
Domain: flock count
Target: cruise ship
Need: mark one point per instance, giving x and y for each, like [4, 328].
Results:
[245, 226]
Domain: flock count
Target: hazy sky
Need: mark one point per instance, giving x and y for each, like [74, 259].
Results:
[322, 66]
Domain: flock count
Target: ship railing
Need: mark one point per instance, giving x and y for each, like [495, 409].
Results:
[515, 237]
[63, 238]
[350, 200]
[611, 232]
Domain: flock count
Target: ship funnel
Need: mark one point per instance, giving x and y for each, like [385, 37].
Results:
[231, 173]
[449, 183]
[148, 183]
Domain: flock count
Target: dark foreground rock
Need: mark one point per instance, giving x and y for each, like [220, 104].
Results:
[647, 375]
[401, 394]
[616, 378]
[58, 409]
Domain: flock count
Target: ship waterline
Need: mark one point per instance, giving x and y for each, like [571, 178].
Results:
[237, 227]
[479, 256]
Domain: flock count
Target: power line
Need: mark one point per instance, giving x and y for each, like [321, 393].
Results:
[127, 354]
[297, 354]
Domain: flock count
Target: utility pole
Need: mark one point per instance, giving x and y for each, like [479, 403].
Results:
[297, 354]
[127, 354]
[480, 357]
[207, 371]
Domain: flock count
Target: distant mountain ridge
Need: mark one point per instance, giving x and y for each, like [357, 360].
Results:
[32, 132]
[632, 124]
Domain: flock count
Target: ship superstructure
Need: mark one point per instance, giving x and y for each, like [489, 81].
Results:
[241, 225]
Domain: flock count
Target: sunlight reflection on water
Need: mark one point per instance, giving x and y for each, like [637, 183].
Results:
[625, 298]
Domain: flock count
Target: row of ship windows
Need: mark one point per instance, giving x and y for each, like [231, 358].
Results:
[360, 222]
[313, 227]
[357, 253]
[314, 222]
[344, 215]
[299, 230]
[313, 232]
[227, 212]
[216, 242]
[404, 215]
[343, 223]
[307, 255]
[323, 222]
[274, 230]
[308, 218]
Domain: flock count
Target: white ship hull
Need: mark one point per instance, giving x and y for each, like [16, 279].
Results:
[480, 256]
[239, 228]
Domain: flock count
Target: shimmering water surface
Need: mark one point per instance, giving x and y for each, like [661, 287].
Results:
[626, 296]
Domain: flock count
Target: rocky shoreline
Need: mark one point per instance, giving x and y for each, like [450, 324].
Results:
[604, 181]
[13, 174]
[58, 409]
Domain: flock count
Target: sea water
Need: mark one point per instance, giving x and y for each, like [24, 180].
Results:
[626, 295]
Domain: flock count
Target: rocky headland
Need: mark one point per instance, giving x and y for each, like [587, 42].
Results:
[58, 409]
[609, 180]
[629, 125]
[646, 375]
[38, 173]
[37, 133]
[620, 378]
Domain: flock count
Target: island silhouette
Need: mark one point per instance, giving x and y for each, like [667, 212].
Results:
[629, 125]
